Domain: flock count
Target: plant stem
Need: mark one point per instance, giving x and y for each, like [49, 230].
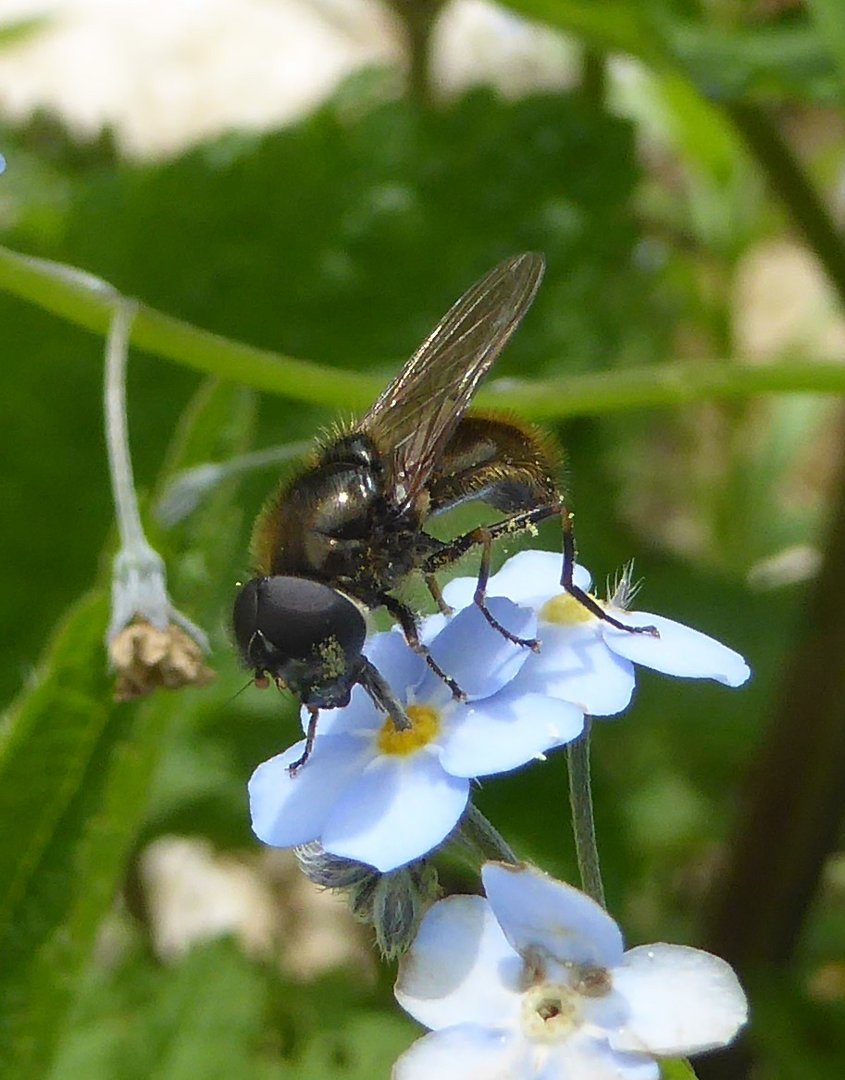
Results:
[89, 303]
[583, 821]
[418, 18]
[117, 428]
[482, 837]
[789, 181]
[594, 76]
[793, 806]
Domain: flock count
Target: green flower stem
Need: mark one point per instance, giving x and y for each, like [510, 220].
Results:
[482, 837]
[117, 428]
[583, 822]
[88, 302]
[790, 183]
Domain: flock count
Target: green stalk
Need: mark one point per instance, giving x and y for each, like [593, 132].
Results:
[88, 302]
[583, 820]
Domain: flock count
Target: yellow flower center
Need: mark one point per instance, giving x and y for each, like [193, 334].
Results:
[565, 610]
[425, 726]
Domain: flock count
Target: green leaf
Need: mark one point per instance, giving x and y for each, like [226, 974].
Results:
[676, 1069]
[363, 1047]
[724, 64]
[611, 26]
[74, 772]
[21, 30]
[75, 775]
[829, 17]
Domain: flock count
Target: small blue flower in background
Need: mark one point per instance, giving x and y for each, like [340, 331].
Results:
[534, 982]
[584, 659]
[384, 797]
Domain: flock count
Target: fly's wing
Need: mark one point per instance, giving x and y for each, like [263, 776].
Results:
[414, 417]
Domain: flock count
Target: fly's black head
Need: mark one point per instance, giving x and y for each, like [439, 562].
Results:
[303, 634]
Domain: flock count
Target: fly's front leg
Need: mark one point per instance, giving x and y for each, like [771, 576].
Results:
[382, 696]
[310, 735]
[407, 620]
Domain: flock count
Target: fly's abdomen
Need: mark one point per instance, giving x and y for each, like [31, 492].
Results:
[505, 462]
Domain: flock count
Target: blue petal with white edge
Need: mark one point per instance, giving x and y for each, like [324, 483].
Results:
[397, 810]
[506, 731]
[589, 1058]
[460, 968]
[576, 665]
[680, 1000]
[679, 650]
[529, 579]
[535, 911]
[289, 810]
[466, 1052]
[479, 658]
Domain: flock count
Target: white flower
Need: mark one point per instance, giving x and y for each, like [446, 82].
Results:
[384, 797]
[534, 982]
[585, 659]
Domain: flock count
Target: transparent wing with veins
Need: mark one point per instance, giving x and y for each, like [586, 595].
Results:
[414, 417]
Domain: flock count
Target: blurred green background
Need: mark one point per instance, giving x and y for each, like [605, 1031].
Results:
[684, 181]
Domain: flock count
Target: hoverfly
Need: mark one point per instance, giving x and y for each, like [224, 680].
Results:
[350, 528]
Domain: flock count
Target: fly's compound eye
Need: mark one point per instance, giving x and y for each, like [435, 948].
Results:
[301, 631]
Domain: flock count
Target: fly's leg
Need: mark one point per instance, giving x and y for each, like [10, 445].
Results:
[382, 696]
[433, 586]
[483, 537]
[407, 620]
[582, 597]
[310, 735]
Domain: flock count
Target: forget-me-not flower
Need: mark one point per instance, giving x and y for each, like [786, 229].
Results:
[384, 797]
[534, 983]
[585, 659]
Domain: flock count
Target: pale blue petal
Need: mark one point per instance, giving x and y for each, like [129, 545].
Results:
[478, 657]
[679, 650]
[358, 717]
[460, 969]
[534, 576]
[681, 1000]
[289, 810]
[397, 810]
[396, 660]
[536, 911]
[574, 664]
[467, 1052]
[460, 592]
[529, 579]
[506, 731]
[431, 626]
[586, 1058]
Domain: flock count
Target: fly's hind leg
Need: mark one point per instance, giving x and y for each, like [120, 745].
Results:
[310, 735]
[578, 594]
[510, 465]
